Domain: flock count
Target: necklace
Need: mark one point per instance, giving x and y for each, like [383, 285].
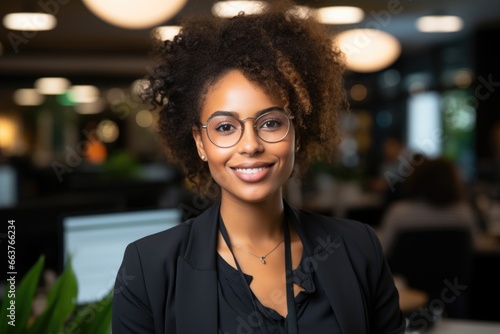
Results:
[291, 318]
[261, 258]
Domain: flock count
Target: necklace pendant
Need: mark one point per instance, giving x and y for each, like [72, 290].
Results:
[263, 259]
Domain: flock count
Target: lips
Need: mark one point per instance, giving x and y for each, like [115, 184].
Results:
[252, 173]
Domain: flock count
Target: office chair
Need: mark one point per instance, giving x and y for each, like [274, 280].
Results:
[438, 262]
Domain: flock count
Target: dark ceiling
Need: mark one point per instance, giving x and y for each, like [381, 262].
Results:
[84, 45]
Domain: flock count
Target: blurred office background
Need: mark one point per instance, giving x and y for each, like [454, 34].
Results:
[75, 137]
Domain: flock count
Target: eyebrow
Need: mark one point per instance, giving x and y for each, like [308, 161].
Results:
[236, 115]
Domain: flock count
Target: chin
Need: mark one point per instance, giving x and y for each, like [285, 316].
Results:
[257, 197]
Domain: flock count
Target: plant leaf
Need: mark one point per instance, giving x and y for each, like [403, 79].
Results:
[94, 318]
[23, 299]
[61, 302]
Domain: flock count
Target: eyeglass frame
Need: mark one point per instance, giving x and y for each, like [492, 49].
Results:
[242, 124]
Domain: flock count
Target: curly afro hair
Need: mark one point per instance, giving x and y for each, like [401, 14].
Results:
[291, 58]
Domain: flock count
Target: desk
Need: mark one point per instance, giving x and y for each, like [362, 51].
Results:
[488, 243]
[453, 326]
[409, 299]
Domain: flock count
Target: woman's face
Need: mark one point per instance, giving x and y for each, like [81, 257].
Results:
[252, 170]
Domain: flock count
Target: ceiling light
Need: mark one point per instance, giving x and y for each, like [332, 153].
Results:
[144, 118]
[28, 97]
[52, 86]
[135, 14]
[8, 134]
[340, 15]
[165, 33]
[29, 21]
[108, 130]
[233, 8]
[439, 23]
[463, 78]
[358, 92]
[368, 50]
[84, 93]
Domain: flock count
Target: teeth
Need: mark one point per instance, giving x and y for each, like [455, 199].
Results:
[249, 170]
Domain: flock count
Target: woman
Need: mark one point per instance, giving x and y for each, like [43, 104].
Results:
[246, 101]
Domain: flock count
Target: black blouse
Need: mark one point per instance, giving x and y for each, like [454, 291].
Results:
[237, 313]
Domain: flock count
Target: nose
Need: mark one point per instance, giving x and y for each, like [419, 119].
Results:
[250, 143]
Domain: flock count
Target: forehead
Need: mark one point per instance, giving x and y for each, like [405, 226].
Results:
[234, 93]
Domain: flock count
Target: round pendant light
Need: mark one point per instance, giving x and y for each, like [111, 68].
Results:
[232, 8]
[135, 14]
[368, 50]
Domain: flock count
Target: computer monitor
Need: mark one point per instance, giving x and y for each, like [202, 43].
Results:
[8, 190]
[96, 244]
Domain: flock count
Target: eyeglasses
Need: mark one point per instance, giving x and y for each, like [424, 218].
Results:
[226, 130]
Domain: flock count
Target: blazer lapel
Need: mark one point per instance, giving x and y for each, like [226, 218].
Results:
[196, 283]
[335, 274]
[340, 284]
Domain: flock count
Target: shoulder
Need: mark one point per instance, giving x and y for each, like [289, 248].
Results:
[189, 239]
[154, 258]
[164, 243]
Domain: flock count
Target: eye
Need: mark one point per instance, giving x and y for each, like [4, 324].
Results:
[271, 122]
[225, 127]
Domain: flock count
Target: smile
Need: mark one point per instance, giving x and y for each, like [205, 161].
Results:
[252, 173]
[250, 170]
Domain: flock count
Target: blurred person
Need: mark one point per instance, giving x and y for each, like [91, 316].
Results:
[433, 196]
[246, 100]
[386, 171]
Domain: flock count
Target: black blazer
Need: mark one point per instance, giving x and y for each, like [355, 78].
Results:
[167, 282]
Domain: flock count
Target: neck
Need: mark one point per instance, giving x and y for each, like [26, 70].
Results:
[253, 223]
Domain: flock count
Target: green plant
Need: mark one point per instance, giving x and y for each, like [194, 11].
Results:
[121, 164]
[61, 314]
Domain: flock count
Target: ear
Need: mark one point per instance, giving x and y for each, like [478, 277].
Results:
[297, 142]
[196, 131]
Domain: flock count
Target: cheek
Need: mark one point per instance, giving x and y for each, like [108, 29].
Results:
[217, 161]
[292, 146]
[291, 158]
[288, 157]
